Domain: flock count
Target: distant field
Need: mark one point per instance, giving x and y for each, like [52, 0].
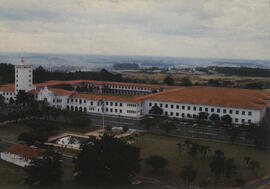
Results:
[196, 79]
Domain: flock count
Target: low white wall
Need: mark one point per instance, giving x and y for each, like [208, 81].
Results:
[14, 159]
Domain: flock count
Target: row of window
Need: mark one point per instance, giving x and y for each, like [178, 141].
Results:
[183, 115]
[128, 87]
[194, 108]
[7, 93]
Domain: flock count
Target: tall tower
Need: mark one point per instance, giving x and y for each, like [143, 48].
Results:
[23, 77]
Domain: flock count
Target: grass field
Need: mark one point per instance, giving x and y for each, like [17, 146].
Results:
[11, 131]
[166, 147]
[150, 145]
[196, 79]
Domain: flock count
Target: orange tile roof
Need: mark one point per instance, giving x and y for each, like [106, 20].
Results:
[24, 151]
[8, 87]
[61, 92]
[106, 97]
[216, 96]
[34, 91]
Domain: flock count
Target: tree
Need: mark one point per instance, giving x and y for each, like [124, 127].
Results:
[204, 150]
[230, 168]
[247, 160]
[193, 151]
[11, 101]
[125, 128]
[23, 98]
[167, 125]
[147, 122]
[189, 174]
[203, 115]
[214, 118]
[2, 100]
[156, 110]
[233, 132]
[45, 171]
[156, 162]
[217, 164]
[180, 148]
[169, 80]
[254, 165]
[226, 119]
[106, 161]
[186, 82]
[80, 119]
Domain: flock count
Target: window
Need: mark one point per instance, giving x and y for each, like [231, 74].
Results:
[206, 109]
[177, 106]
[236, 112]
[249, 121]
[183, 107]
[243, 112]
[188, 107]
[172, 106]
[212, 109]
[224, 111]
[200, 109]
[107, 103]
[150, 104]
[166, 113]
[160, 105]
[218, 110]
[249, 113]
[188, 115]
[166, 105]
[236, 120]
[194, 108]
[243, 120]
[115, 110]
[183, 115]
[177, 114]
[111, 103]
[231, 112]
[120, 104]
[120, 111]
[84, 101]
[111, 110]
[116, 104]
[92, 103]
[171, 113]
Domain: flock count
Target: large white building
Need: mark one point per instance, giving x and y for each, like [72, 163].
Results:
[136, 100]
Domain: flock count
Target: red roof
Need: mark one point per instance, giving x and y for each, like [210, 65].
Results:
[8, 88]
[24, 151]
[216, 96]
[61, 92]
[106, 97]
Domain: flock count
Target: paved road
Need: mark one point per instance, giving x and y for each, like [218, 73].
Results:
[258, 184]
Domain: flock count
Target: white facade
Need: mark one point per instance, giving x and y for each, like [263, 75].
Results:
[8, 95]
[14, 159]
[189, 111]
[23, 77]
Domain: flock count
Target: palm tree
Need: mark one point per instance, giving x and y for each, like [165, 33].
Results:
[189, 174]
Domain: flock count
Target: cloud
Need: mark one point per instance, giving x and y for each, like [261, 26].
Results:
[194, 28]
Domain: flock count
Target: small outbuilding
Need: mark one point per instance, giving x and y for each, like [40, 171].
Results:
[20, 155]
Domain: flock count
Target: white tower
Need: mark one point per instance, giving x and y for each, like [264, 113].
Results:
[23, 77]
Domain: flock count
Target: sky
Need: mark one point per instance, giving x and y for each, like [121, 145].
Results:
[181, 28]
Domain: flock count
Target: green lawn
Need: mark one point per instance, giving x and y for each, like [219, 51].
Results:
[10, 132]
[166, 147]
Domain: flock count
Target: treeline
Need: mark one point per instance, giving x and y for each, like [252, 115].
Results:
[7, 72]
[239, 71]
[126, 66]
[40, 75]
